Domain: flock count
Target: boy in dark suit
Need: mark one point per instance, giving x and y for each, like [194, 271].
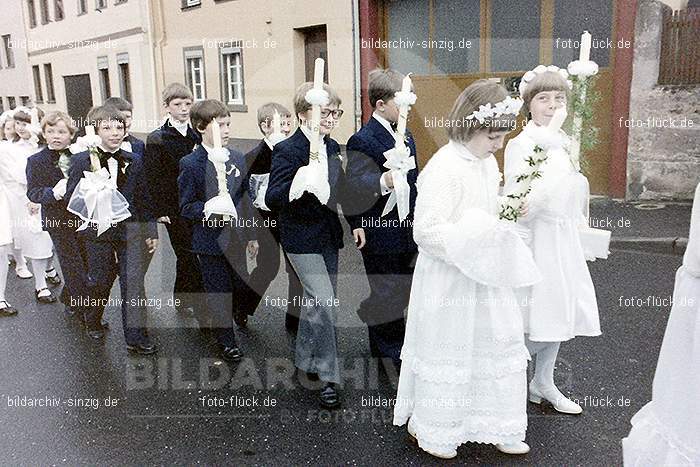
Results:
[258, 163]
[125, 249]
[386, 243]
[47, 178]
[220, 238]
[131, 143]
[164, 148]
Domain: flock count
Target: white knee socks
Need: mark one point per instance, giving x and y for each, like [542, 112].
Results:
[544, 367]
[3, 270]
[39, 269]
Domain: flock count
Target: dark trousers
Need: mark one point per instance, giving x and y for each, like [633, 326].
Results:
[129, 260]
[222, 283]
[188, 278]
[268, 265]
[70, 250]
[389, 278]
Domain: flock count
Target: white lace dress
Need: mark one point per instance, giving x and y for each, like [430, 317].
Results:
[463, 359]
[26, 228]
[564, 304]
[666, 431]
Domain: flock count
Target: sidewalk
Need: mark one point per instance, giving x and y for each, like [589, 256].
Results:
[663, 230]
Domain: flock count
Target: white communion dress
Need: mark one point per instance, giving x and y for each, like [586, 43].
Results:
[26, 228]
[666, 431]
[464, 359]
[564, 304]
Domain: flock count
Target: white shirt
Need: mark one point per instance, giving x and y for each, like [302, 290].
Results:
[181, 127]
[385, 123]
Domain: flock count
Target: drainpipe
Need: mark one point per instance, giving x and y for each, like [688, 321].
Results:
[356, 63]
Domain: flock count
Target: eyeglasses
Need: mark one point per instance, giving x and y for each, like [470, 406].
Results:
[336, 113]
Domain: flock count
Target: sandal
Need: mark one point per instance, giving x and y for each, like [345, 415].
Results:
[7, 310]
[53, 279]
[45, 299]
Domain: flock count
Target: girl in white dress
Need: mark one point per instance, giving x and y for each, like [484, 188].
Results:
[563, 305]
[34, 243]
[666, 431]
[464, 359]
[5, 246]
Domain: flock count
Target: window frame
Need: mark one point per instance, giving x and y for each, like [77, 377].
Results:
[125, 89]
[196, 52]
[38, 90]
[50, 89]
[226, 51]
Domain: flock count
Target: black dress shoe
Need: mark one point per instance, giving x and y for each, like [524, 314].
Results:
[45, 299]
[231, 354]
[329, 397]
[53, 280]
[142, 349]
[96, 334]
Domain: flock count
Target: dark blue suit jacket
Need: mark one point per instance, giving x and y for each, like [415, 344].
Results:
[306, 225]
[137, 146]
[197, 184]
[42, 175]
[165, 147]
[134, 188]
[365, 167]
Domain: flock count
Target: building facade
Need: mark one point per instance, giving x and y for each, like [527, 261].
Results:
[15, 75]
[84, 51]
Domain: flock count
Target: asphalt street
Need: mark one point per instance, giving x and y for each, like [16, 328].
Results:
[95, 405]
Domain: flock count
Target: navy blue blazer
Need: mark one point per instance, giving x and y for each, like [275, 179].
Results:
[137, 146]
[133, 186]
[164, 148]
[42, 175]
[197, 184]
[306, 225]
[365, 151]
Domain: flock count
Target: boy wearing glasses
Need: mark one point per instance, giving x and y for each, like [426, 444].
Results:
[386, 243]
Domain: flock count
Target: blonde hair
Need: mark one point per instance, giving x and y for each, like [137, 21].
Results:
[267, 111]
[300, 103]
[480, 92]
[176, 91]
[383, 84]
[52, 119]
[543, 82]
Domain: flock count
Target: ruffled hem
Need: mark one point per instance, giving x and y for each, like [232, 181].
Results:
[462, 372]
[451, 436]
[651, 443]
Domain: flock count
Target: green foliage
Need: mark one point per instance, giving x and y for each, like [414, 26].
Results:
[584, 109]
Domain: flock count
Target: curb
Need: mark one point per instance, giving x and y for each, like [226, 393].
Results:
[665, 245]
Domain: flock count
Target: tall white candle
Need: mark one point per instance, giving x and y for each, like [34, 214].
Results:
[585, 50]
[403, 111]
[276, 123]
[316, 110]
[558, 118]
[216, 133]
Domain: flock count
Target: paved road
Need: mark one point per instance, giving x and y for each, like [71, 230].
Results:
[110, 409]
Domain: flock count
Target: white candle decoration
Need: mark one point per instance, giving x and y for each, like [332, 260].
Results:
[316, 110]
[557, 119]
[403, 110]
[276, 123]
[585, 50]
[216, 134]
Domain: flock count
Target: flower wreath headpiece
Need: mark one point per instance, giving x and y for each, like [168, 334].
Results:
[538, 70]
[508, 105]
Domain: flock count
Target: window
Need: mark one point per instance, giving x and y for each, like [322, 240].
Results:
[9, 53]
[82, 7]
[100, 4]
[25, 100]
[48, 76]
[571, 18]
[194, 72]
[118, 2]
[103, 69]
[58, 13]
[38, 93]
[44, 10]
[2, 105]
[11, 102]
[32, 13]
[232, 75]
[124, 76]
[515, 35]
[190, 3]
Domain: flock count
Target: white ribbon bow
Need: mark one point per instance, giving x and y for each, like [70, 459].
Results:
[97, 201]
[399, 162]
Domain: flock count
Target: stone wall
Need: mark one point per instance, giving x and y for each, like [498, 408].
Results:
[663, 155]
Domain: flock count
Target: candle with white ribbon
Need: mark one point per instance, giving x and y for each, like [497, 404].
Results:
[216, 134]
[94, 160]
[585, 50]
[403, 112]
[276, 123]
[316, 110]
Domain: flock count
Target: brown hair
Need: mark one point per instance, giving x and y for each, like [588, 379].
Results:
[118, 103]
[3, 136]
[480, 92]
[203, 112]
[383, 84]
[52, 119]
[176, 91]
[100, 114]
[26, 117]
[300, 103]
[267, 111]
[543, 82]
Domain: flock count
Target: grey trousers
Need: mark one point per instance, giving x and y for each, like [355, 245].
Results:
[316, 342]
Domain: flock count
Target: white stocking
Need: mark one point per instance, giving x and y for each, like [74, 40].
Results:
[544, 367]
[39, 268]
[4, 250]
[19, 259]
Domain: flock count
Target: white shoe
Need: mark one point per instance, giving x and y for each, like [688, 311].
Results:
[444, 454]
[559, 401]
[23, 272]
[519, 447]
